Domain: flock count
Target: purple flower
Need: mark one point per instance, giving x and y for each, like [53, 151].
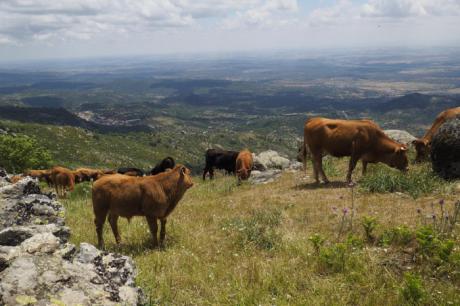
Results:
[345, 210]
[433, 216]
[441, 202]
[419, 211]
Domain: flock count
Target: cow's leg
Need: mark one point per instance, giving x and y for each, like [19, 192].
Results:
[211, 173]
[113, 220]
[315, 171]
[162, 231]
[353, 161]
[205, 171]
[99, 220]
[318, 157]
[152, 221]
[364, 167]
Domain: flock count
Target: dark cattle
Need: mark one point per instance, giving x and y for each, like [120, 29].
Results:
[167, 163]
[219, 159]
[131, 171]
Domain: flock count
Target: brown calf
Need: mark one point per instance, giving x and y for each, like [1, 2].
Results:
[62, 179]
[244, 164]
[154, 197]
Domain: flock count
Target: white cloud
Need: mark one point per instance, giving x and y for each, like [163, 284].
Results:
[82, 19]
[410, 8]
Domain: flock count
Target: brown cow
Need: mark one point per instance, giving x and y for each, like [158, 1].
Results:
[154, 197]
[423, 145]
[87, 174]
[359, 139]
[244, 164]
[62, 179]
[42, 175]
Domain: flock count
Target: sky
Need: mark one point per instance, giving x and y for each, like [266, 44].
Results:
[32, 29]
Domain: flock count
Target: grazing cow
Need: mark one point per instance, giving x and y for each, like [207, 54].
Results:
[154, 197]
[62, 179]
[41, 175]
[244, 165]
[359, 139]
[219, 159]
[131, 171]
[167, 163]
[423, 145]
[87, 174]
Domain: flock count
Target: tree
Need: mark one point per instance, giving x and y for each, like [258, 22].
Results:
[18, 153]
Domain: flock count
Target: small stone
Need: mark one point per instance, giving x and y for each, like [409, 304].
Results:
[41, 243]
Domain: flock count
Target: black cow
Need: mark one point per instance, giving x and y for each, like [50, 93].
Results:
[219, 159]
[131, 171]
[167, 163]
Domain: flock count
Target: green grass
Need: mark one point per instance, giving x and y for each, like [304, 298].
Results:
[249, 245]
[420, 180]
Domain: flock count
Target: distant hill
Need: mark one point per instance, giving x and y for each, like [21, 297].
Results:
[419, 101]
[61, 116]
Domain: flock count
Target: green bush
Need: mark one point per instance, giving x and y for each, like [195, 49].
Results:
[333, 258]
[369, 224]
[400, 235]
[18, 153]
[420, 180]
[412, 290]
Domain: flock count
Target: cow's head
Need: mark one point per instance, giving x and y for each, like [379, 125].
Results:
[185, 177]
[399, 159]
[422, 147]
[243, 173]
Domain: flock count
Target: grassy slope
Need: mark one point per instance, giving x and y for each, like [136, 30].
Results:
[249, 245]
[75, 147]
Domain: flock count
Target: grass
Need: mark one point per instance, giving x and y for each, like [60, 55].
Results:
[247, 245]
[420, 180]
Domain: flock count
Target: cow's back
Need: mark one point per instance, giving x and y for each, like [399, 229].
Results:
[440, 119]
[336, 136]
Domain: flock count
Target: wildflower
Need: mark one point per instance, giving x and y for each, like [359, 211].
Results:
[441, 202]
[419, 211]
[345, 210]
[433, 216]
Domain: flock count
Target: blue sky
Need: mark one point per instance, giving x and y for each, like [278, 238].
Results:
[80, 28]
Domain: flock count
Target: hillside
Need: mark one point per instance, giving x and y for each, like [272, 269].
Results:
[263, 244]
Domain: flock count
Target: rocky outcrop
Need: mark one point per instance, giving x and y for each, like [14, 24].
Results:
[400, 136]
[445, 149]
[38, 266]
[268, 167]
[269, 160]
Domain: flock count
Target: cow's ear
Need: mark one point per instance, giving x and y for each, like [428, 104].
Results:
[183, 170]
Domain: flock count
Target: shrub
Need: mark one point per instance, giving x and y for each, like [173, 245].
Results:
[317, 240]
[333, 258]
[418, 181]
[18, 153]
[412, 290]
[369, 224]
[400, 235]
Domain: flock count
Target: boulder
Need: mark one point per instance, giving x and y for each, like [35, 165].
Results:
[445, 149]
[39, 267]
[264, 177]
[270, 160]
[400, 136]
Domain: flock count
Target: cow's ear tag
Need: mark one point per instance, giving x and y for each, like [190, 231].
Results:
[403, 149]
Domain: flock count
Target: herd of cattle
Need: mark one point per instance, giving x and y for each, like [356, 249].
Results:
[129, 192]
